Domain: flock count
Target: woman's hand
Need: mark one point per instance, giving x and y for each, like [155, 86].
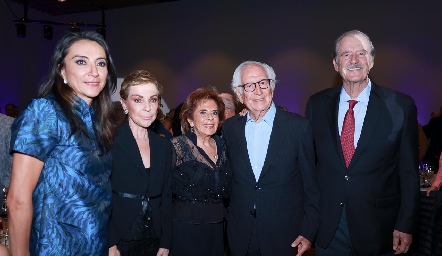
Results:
[432, 188]
[113, 251]
[163, 252]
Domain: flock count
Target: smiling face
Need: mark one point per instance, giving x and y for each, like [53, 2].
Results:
[205, 119]
[85, 69]
[142, 104]
[353, 59]
[258, 101]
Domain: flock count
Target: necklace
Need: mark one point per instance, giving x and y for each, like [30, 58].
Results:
[210, 155]
[216, 150]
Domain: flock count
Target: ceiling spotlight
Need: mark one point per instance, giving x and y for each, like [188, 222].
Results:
[21, 30]
[75, 28]
[102, 32]
[48, 32]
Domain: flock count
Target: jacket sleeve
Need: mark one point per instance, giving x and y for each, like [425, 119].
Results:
[408, 172]
[166, 203]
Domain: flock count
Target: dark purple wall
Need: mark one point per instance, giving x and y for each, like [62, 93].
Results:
[188, 44]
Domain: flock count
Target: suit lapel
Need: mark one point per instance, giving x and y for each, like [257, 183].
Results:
[278, 125]
[374, 108]
[128, 144]
[156, 159]
[332, 109]
[240, 130]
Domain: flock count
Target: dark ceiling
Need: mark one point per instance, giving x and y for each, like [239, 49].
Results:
[54, 7]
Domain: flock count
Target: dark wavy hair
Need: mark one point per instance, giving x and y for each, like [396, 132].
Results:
[65, 96]
[196, 98]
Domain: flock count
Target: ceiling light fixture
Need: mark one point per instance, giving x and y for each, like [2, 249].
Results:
[48, 32]
[102, 32]
[75, 28]
[21, 30]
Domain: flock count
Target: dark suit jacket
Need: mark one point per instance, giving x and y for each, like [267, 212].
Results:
[380, 188]
[129, 176]
[286, 194]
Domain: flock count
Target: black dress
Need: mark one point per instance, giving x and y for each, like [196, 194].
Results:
[140, 240]
[199, 187]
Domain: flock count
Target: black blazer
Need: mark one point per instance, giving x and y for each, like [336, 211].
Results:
[286, 194]
[380, 188]
[128, 176]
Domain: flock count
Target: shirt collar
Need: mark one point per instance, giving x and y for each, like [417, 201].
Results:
[267, 118]
[82, 107]
[362, 97]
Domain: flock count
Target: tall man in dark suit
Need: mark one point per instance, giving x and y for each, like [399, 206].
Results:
[274, 197]
[366, 144]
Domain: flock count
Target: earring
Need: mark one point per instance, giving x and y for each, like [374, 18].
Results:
[64, 81]
[191, 129]
[126, 111]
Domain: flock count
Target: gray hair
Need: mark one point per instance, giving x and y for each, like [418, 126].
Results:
[236, 80]
[353, 32]
[229, 100]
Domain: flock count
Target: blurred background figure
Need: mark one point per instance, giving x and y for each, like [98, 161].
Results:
[11, 110]
[201, 177]
[5, 175]
[433, 131]
[141, 219]
[423, 143]
[282, 108]
[167, 120]
[230, 104]
[176, 121]
[5, 157]
[118, 116]
[158, 127]
[434, 114]
[437, 183]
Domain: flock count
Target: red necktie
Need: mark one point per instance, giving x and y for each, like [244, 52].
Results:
[348, 133]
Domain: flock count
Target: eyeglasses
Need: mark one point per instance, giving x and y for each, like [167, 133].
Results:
[263, 84]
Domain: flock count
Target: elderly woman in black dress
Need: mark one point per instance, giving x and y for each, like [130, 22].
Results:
[201, 177]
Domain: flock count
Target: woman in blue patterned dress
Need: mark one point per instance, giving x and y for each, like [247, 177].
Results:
[59, 200]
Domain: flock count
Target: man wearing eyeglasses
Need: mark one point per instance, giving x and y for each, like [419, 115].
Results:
[274, 198]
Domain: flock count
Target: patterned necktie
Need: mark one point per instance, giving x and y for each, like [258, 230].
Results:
[348, 133]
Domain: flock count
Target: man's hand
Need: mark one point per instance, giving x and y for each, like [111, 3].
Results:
[113, 251]
[302, 244]
[163, 252]
[401, 242]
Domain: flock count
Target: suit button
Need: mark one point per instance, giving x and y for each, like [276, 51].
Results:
[341, 204]
[346, 177]
[256, 187]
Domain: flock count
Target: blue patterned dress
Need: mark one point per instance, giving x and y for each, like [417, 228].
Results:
[72, 199]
